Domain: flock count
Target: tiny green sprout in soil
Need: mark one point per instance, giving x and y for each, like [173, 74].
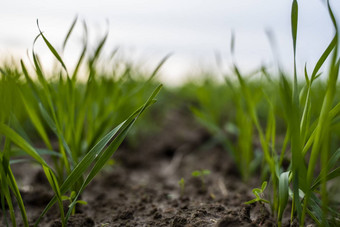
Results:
[181, 184]
[201, 174]
[258, 193]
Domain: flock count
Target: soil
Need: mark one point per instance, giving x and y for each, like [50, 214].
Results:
[142, 188]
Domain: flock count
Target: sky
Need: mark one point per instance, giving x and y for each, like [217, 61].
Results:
[193, 31]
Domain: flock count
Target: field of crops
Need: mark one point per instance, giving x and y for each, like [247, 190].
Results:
[84, 146]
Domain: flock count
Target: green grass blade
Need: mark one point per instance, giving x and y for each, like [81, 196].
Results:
[326, 170]
[331, 175]
[3, 201]
[53, 126]
[298, 165]
[4, 186]
[19, 141]
[35, 118]
[39, 70]
[6, 194]
[17, 195]
[51, 48]
[56, 189]
[283, 194]
[19, 128]
[11, 180]
[158, 67]
[294, 22]
[32, 85]
[80, 60]
[98, 50]
[294, 26]
[69, 32]
[323, 58]
[315, 212]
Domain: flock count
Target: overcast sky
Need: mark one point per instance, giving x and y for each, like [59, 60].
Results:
[192, 30]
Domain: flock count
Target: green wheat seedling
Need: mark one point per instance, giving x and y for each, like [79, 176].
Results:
[80, 115]
[307, 130]
[91, 164]
[181, 184]
[266, 135]
[289, 121]
[223, 124]
[9, 190]
[246, 121]
[71, 199]
[201, 174]
[303, 196]
[258, 192]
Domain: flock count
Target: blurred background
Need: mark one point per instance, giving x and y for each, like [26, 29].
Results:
[195, 32]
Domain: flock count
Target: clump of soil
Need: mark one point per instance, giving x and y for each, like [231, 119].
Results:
[142, 188]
